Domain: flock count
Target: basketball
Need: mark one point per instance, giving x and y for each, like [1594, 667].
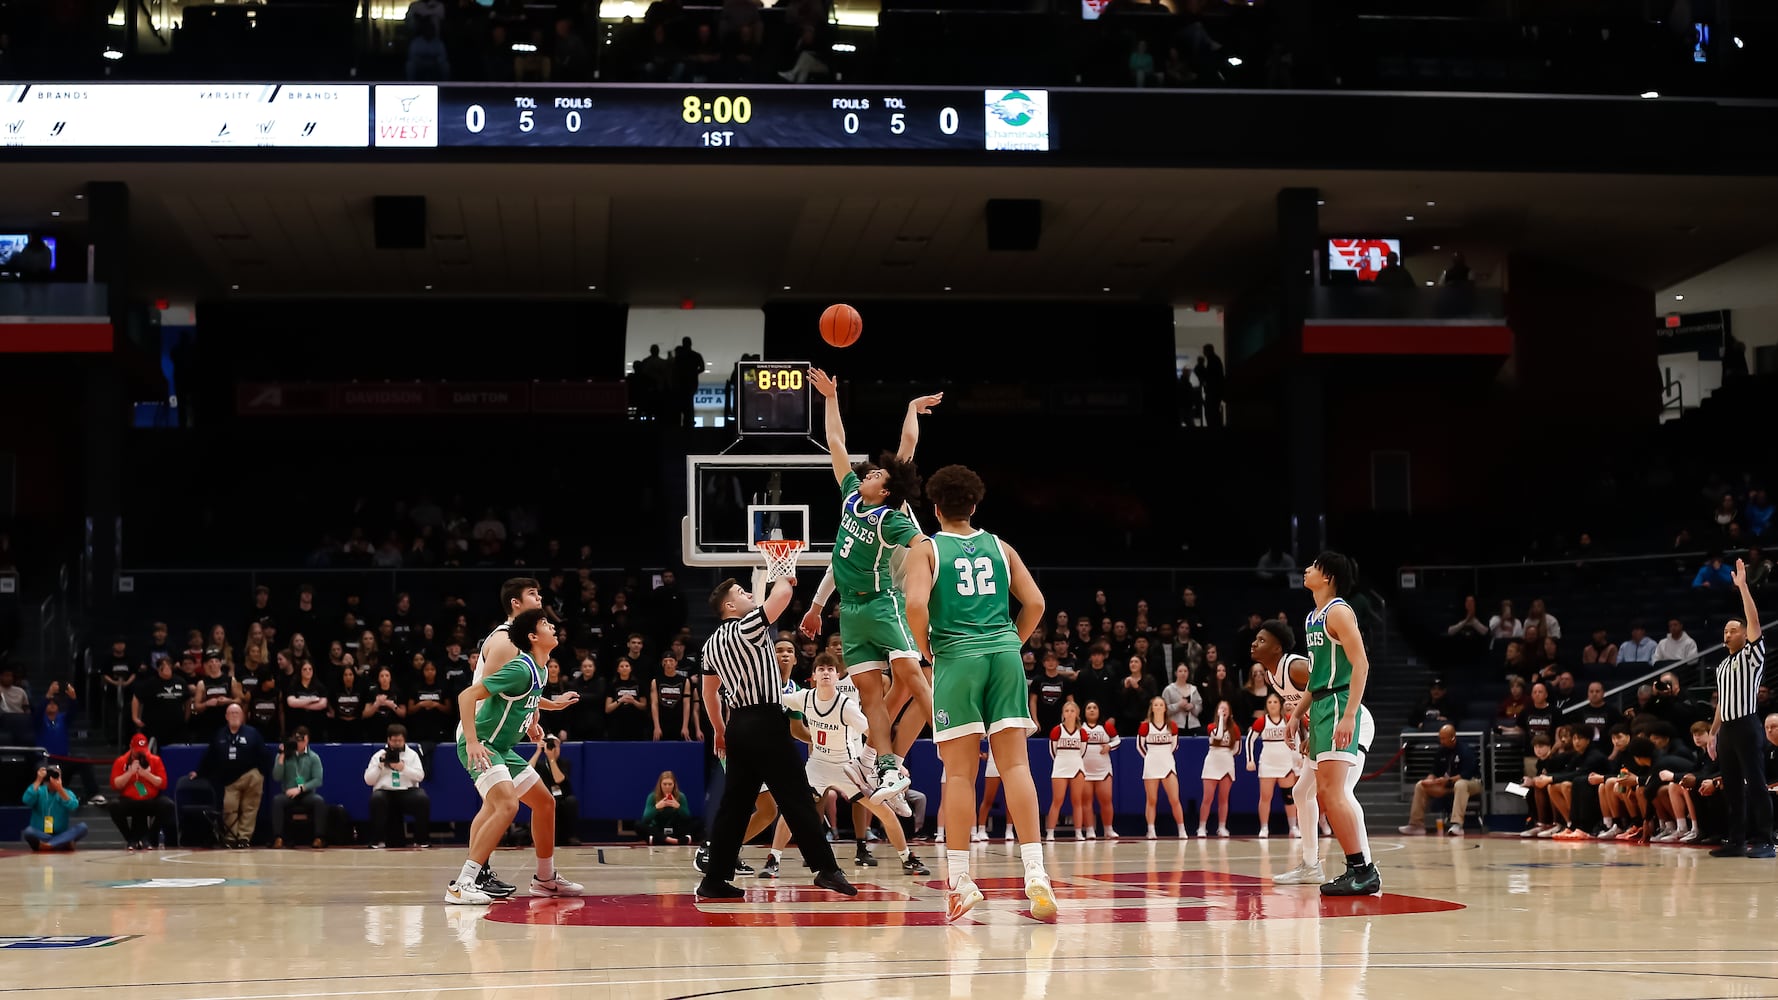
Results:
[841, 325]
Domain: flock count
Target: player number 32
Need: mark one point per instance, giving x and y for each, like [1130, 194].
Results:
[976, 577]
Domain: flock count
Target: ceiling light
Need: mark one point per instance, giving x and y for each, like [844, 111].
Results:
[1408, 217]
[1435, 246]
[429, 288]
[112, 54]
[234, 288]
[1431, 203]
[787, 288]
[80, 197]
[1234, 60]
[947, 288]
[1738, 43]
[592, 288]
[1107, 288]
[1429, 284]
[523, 47]
[844, 47]
[1679, 298]
[1320, 202]
[1650, 95]
[55, 215]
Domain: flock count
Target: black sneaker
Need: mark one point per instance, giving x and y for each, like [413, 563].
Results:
[771, 868]
[490, 883]
[864, 859]
[1729, 851]
[709, 889]
[742, 868]
[700, 859]
[836, 881]
[1365, 881]
[1761, 851]
[912, 866]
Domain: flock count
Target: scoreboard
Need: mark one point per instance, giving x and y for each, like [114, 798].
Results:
[524, 116]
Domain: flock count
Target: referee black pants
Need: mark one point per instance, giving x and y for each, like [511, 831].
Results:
[761, 750]
[1744, 781]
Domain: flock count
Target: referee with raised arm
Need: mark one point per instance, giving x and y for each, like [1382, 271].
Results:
[739, 667]
[1736, 735]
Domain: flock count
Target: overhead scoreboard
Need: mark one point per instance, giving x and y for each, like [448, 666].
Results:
[535, 116]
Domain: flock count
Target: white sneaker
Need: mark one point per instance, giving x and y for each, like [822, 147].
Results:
[961, 899]
[1222, 831]
[898, 804]
[978, 835]
[556, 885]
[1151, 834]
[1080, 835]
[1110, 834]
[1689, 836]
[1049, 835]
[1411, 830]
[1264, 833]
[1009, 834]
[1531, 831]
[1042, 897]
[1610, 831]
[1301, 875]
[890, 783]
[1454, 830]
[1201, 832]
[938, 835]
[1092, 833]
[1326, 830]
[1550, 831]
[467, 895]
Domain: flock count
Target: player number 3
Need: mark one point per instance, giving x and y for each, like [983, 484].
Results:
[976, 578]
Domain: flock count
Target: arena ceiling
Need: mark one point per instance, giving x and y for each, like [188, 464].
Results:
[739, 234]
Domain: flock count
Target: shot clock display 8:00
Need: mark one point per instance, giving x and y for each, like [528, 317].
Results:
[716, 118]
[772, 397]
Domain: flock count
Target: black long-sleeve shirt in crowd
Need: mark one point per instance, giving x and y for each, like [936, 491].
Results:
[1579, 766]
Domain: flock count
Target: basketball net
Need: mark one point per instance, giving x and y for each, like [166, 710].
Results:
[780, 556]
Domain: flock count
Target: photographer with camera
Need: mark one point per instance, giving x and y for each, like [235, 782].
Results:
[52, 812]
[553, 773]
[140, 811]
[394, 775]
[299, 771]
[1672, 706]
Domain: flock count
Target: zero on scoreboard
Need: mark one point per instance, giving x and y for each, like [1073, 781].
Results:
[655, 116]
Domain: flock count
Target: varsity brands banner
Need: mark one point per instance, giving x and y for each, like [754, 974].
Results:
[294, 399]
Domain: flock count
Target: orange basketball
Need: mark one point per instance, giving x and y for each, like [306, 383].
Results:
[841, 325]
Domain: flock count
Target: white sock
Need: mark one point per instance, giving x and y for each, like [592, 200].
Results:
[904, 854]
[1032, 855]
[470, 870]
[776, 854]
[1151, 831]
[546, 868]
[1308, 813]
[956, 867]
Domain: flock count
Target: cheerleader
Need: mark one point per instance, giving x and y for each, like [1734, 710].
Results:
[1102, 738]
[1068, 746]
[1156, 740]
[1219, 769]
[990, 790]
[1276, 763]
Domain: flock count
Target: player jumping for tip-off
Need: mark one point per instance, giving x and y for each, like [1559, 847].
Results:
[873, 622]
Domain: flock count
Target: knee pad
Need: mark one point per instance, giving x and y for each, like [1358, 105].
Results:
[1290, 796]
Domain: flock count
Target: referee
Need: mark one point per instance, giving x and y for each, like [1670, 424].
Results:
[1736, 736]
[756, 739]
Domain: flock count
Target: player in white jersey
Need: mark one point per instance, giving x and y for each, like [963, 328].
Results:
[1287, 674]
[836, 727]
[1269, 752]
[517, 595]
[1157, 739]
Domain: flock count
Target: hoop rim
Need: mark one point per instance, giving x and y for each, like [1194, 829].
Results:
[779, 546]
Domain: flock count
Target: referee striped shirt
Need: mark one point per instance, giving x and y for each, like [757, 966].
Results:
[1737, 680]
[739, 653]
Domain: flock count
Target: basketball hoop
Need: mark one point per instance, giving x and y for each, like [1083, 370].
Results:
[780, 555]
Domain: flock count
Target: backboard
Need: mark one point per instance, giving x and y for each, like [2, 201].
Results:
[733, 497]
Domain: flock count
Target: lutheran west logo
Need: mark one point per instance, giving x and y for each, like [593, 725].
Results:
[407, 116]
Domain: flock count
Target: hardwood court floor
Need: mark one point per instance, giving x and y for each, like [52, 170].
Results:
[1474, 917]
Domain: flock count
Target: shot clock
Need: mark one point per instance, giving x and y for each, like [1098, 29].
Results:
[717, 118]
[772, 397]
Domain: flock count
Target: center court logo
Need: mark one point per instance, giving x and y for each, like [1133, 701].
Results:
[1017, 120]
[407, 116]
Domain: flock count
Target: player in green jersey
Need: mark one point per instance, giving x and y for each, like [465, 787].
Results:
[873, 613]
[1340, 731]
[958, 610]
[899, 696]
[508, 700]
